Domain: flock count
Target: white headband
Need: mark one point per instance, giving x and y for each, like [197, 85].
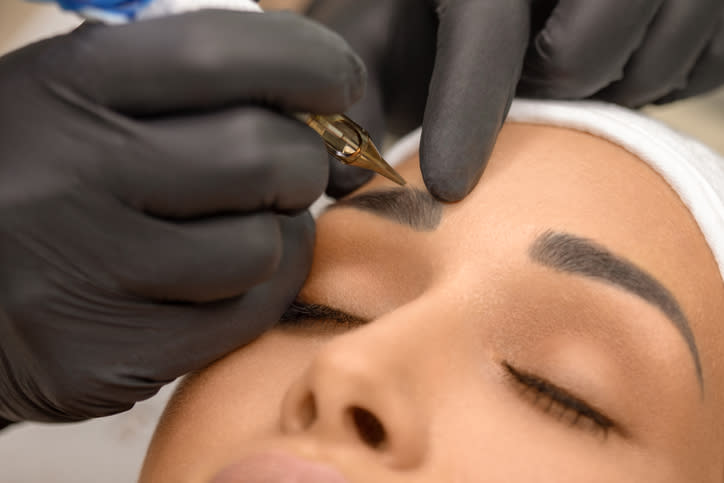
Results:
[693, 170]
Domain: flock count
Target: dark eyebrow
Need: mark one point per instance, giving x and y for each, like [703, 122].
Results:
[572, 254]
[411, 207]
[300, 311]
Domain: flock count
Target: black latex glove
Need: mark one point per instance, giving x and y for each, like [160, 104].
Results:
[151, 211]
[461, 62]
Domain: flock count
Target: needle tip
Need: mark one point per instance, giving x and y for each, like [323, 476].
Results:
[371, 159]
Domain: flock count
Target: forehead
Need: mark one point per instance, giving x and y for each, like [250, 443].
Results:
[542, 177]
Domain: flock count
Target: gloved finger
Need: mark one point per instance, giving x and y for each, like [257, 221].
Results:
[165, 341]
[239, 160]
[212, 59]
[191, 336]
[471, 89]
[584, 46]
[674, 41]
[199, 261]
[195, 261]
[708, 73]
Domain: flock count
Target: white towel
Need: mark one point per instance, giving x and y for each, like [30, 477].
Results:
[162, 8]
[694, 171]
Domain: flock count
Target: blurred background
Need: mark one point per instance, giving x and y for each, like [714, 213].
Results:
[110, 450]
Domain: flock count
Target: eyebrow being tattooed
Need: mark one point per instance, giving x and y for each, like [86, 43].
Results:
[300, 311]
[414, 208]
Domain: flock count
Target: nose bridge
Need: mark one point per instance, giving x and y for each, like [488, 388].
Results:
[398, 350]
[403, 337]
[372, 386]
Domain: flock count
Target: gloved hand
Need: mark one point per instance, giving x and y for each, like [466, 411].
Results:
[461, 62]
[152, 199]
[628, 52]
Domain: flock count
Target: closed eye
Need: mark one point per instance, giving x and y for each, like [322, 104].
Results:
[548, 397]
[559, 402]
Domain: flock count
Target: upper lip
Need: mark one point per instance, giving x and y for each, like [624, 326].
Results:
[267, 464]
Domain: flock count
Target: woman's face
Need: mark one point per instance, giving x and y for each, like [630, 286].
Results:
[557, 325]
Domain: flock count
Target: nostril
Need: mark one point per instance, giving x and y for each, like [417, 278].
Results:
[369, 428]
[307, 411]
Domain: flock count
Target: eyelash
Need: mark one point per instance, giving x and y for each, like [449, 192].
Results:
[555, 396]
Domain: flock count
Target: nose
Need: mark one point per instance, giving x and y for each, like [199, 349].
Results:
[356, 392]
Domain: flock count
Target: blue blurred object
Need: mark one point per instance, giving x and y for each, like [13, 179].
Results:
[122, 8]
[119, 6]
[115, 12]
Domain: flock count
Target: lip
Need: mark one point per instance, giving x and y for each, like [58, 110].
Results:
[278, 467]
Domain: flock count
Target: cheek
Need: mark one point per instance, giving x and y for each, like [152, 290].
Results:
[226, 408]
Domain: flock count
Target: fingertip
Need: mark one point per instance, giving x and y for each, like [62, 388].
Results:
[450, 177]
[298, 233]
[301, 227]
[302, 171]
[453, 164]
[330, 59]
[449, 188]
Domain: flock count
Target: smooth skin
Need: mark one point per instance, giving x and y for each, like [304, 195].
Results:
[447, 308]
